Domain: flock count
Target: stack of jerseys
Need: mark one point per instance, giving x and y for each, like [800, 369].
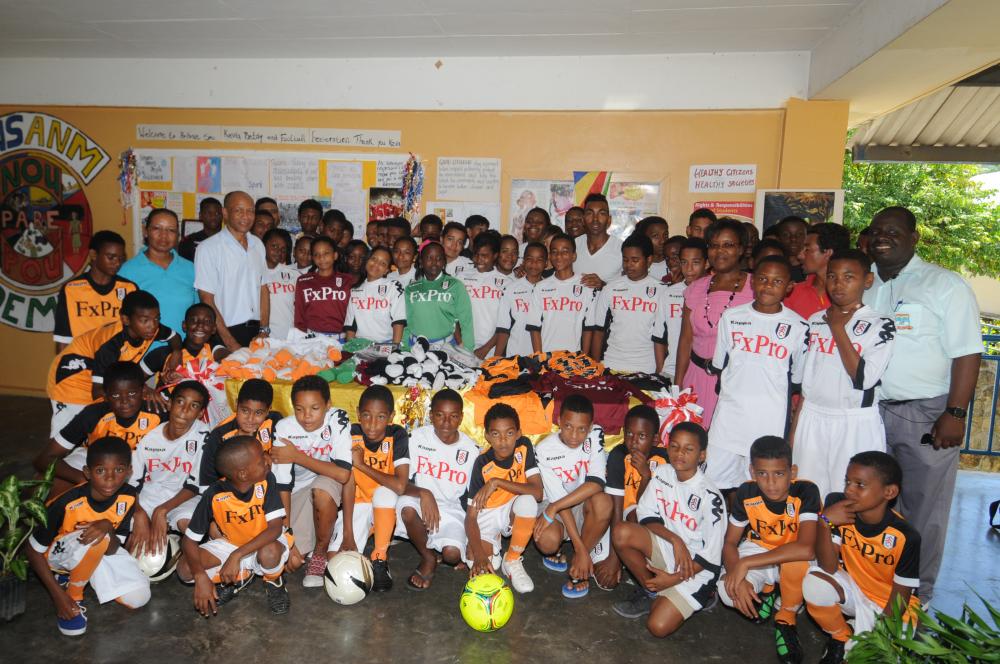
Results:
[609, 394]
[276, 359]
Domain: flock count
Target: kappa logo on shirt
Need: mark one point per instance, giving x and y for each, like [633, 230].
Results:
[258, 492]
[782, 330]
[861, 327]
[462, 456]
[694, 502]
[889, 540]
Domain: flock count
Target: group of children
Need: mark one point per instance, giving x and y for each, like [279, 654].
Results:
[262, 495]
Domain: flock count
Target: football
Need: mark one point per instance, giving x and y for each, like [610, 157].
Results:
[487, 603]
[160, 565]
[348, 578]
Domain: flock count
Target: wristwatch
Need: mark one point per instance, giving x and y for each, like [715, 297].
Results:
[954, 411]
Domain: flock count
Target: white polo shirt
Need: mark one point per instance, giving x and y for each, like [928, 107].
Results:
[606, 263]
[232, 274]
[937, 320]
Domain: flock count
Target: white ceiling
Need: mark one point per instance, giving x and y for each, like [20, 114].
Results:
[400, 28]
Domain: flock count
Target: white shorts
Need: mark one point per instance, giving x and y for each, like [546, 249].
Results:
[758, 577]
[496, 522]
[689, 595]
[727, 469]
[363, 520]
[602, 549]
[182, 512]
[827, 438]
[222, 548]
[62, 413]
[116, 575]
[451, 527]
[856, 603]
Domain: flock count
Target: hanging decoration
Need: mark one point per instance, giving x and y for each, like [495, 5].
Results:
[413, 187]
[128, 178]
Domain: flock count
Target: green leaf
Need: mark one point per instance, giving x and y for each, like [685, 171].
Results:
[11, 539]
[36, 509]
[19, 566]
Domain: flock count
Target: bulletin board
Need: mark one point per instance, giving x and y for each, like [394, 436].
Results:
[179, 179]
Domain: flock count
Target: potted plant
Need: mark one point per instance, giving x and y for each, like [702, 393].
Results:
[22, 507]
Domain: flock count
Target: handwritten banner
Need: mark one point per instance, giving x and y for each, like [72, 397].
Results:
[354, 138]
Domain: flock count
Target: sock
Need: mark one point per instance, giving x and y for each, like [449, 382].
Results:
[520, 536]
[791, 590]
[832, 620]
[80, 575]
[385, 523]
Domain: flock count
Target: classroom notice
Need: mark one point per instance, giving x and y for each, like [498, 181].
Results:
[723, 178]
[468, 179]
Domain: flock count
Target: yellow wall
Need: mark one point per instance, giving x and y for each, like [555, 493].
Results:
[649, 146]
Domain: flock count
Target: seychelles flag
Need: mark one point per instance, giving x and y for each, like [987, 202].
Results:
[590, 182]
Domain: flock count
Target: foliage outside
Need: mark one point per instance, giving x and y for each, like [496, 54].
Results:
[19, 514]
[959, 225]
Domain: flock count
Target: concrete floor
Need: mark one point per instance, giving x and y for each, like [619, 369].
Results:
[403, 625]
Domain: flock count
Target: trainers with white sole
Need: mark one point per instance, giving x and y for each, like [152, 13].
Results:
[314, 572]
[519, 579]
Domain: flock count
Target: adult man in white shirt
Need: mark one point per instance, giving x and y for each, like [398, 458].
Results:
[930, 379]
[598, 255]
[228, 271]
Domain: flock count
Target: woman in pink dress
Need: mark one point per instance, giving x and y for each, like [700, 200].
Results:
[704, 302]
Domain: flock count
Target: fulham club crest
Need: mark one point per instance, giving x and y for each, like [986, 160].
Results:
[258, 491]
[444, 285]
[782, 330]
[382, 290]
[264, 435]
[577, 290]
[861, 327]
[889, 541]
[694, 502]
[327, 433]
[518, 457]
[499, 281]
[462, 456]
[790, 510]
[385, 447]
[191, 446]
[120, 292]
[122, 508]
[338, 282]
[586, 446]
[651, 291]
[143, 422]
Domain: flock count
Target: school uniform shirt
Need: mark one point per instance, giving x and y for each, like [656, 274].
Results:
[321, 302]
[878, 555]
[97, 421]
[693, 510]
[460, 266]
[161, 467]
[513, 316]
[773, 524]
[824, 379]
[240, 517]
[75, 506]
[374, 307]
[485, 291]
[517, 468]
[330, 442]
[605, 263]
[172, 286]
[83, 305]
[675, 312]
[760, 358]
[442, 469]
[633, 314]
[280, 283]
[559, 310]
[404, 279]
[564, 469]
[226, 429]
[232, 274]
[622, 477]
[384, 455]
[433, 308]
[84, 361]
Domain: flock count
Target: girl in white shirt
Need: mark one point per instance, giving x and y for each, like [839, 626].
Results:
[404, 255]
[377, 309]
[279, 279]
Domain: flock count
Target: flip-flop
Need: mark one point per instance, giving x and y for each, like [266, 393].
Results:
[556, 563]
[570, 590]
[415, 587]
[598, 584]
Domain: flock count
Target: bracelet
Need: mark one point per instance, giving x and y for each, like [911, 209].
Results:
[825, 520]
[547, 517]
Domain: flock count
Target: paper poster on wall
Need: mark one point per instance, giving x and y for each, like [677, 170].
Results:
[234, 174]
[258, 181]
[151, 200]
[553, 196]
[288, 210]
[154, 170]
[629, 202]
[723, 178]
[185, 169]
[739, 210]
[813, 205]
[468, 179]
[209, 175]
[389, 173]
[383, 203]
[451, 211]
[294, 177]
[344, 179]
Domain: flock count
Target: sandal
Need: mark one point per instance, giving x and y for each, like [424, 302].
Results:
[556, 563]
[425, 579]
[572, 590]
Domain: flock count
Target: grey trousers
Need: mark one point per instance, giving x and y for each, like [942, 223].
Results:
[928, 478]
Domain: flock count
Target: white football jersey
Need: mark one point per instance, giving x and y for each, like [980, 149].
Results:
[515, 312]
[760, 356]
[403, 279]
[442, 469]
[825, 381]
[675, 311]
[658, 270]
[485, 293]
[330, 442]
[564, 469]
[460, 266]
[559, 310]
[634, 314]
[280, 284]
[693, 510]
[374, 307]
[161, 466]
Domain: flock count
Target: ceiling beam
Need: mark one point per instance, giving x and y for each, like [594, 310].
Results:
[927, 153]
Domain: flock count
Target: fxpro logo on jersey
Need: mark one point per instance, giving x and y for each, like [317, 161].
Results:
[45, 219]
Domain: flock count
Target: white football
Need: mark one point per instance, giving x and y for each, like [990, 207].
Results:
[160, 565]
[348, 578]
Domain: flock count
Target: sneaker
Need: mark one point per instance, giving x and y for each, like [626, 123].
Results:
[226, 592]
[769, 605]
[834, 652]
[382, 579]
[277, 596]
[636, 606]
[314, 572]
[786, 642]
[76, 625]
[62, 578]
[519, 579]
